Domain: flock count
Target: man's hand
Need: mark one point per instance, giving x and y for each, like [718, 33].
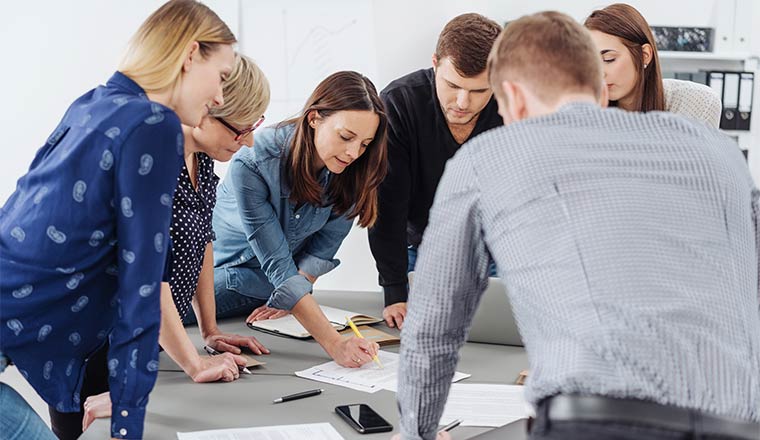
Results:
[395, 314]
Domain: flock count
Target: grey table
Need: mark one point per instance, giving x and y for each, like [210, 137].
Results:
[178, 404]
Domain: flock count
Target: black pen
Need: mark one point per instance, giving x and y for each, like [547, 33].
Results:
[300, 395]
[213, 352]
[452, 425]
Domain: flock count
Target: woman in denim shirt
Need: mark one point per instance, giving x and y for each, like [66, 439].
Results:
[286, 205]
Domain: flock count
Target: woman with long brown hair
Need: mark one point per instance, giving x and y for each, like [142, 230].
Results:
[632, 68]
[629, 54]
[286, 205]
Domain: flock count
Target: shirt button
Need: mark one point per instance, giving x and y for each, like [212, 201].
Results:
[124, 413]
[123, 431]
[298, 216]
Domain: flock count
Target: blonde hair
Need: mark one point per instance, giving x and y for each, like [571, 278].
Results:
[157, 51]
[551, 52]
[246, 93]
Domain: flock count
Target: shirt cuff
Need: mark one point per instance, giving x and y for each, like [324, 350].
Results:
[315, 266]
[127, 422]
[289, 293]
[395, 293]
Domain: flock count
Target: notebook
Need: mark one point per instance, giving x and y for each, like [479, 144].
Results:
[372, 334]
[289, 325]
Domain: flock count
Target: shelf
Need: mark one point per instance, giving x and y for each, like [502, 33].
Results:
[710, 56]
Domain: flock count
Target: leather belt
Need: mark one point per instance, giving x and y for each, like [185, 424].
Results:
[605, 409]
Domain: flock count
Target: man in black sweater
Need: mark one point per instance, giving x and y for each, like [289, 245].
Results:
[431, 113]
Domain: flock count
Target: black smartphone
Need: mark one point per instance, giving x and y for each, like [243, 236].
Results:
[363, 418]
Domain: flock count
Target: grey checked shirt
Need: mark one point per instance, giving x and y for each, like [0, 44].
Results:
[629, 246]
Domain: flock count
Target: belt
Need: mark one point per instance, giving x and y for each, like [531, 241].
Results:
[604, 409]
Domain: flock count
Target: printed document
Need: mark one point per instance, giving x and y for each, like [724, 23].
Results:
[312, 431]
[369, 378]
[484, 404]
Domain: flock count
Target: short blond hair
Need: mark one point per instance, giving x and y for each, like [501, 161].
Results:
[550, 52]
[157, 51]
[246, 93]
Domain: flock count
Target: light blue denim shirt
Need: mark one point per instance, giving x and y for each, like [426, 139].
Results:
[256, 223]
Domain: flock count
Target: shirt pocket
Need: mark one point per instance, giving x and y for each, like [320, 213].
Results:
[301, 224]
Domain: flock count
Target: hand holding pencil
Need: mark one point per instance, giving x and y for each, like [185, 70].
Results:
[359, 335]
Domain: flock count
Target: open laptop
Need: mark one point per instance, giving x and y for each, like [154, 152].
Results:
[494, 322]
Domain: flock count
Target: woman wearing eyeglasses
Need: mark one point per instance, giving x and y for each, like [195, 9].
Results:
[191, 262]
[285, 207]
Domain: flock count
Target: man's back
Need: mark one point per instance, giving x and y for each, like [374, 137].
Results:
[628, 245]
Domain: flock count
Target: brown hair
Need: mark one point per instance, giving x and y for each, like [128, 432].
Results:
[551, 52]
[354, 191]
[626, 23]
[466, 40]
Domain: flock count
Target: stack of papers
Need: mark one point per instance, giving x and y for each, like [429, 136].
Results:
[485, 404]
[312, 431]
[370, 378]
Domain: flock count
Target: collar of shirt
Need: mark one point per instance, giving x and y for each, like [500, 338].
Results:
[121, 81]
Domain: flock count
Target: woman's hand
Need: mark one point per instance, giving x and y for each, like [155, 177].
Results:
[264, 312]
[353, 352]
[231, 342]
[223, 367]
[96, 407]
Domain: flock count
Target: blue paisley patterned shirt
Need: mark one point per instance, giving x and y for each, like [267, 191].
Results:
[83, 242]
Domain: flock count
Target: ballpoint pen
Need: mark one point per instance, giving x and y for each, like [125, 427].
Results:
[213, 352]
[359, 334]
[300, 395]
[452, 425]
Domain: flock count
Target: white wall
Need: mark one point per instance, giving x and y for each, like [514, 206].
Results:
[55, 51]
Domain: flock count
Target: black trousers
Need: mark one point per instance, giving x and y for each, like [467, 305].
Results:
[544, 429]
[68, 426]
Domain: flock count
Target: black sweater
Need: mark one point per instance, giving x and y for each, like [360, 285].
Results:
[419, 144]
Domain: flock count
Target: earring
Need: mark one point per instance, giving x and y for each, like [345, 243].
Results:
[645, 65]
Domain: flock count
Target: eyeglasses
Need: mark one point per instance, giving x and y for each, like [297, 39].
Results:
[239, 134]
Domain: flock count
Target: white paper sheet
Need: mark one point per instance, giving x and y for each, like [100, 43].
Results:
[312, 431]
[369, 378]
[485, 404]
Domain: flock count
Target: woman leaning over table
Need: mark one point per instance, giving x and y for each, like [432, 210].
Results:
[83, 238]
[191, 261]
[632, 69]
[285, 207]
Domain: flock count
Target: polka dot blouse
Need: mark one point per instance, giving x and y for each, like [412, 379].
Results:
[191, 230]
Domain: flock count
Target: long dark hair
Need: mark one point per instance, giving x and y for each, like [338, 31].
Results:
[625, 22]
[354, 191]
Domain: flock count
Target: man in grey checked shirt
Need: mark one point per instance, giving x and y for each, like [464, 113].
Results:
[629, 246]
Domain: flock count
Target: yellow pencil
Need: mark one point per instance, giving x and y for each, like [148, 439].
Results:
[358, 334]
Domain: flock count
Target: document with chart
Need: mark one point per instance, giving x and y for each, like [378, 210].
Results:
[370, 378]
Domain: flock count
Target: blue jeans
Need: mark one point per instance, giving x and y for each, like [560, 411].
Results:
[237, 290]
[17, 419]
[411, 252]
